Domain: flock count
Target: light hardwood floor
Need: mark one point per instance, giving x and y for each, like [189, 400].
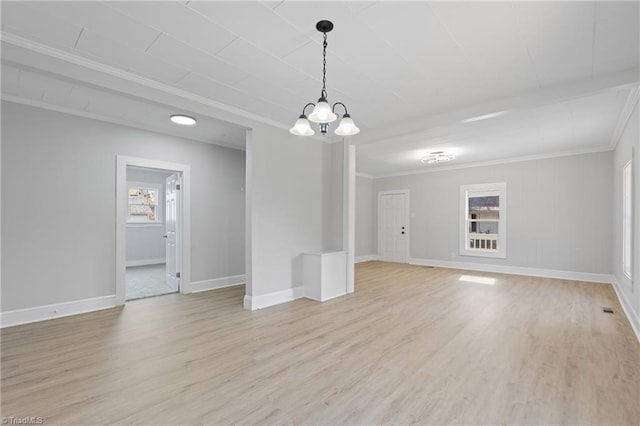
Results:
[412, 345]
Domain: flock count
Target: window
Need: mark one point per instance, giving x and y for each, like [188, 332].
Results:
[627, 219]
[483, 219]
[144, 203]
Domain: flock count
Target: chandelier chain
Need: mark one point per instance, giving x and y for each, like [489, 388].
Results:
[324, 67]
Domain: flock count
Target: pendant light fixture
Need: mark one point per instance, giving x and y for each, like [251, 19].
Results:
[322, 113]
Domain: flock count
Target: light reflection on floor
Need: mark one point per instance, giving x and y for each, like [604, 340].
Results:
[476, 279]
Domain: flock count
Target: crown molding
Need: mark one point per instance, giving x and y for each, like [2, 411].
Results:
[625, 115]
[71, 58]
[497, 162]
[85, 114]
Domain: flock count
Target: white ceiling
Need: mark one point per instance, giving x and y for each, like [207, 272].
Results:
[564, 70]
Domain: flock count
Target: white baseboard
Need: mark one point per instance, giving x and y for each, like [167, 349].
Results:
[198, 286]
[144, 262]
[632, 315]
[516, 270]
[275, 298]
[57, 310]
[366, 258]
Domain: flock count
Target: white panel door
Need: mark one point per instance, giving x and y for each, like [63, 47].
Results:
[392, 227]
[171, 225]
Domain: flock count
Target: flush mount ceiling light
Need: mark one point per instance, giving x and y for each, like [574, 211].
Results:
[322, 113]
[185, 120]
[437, 157]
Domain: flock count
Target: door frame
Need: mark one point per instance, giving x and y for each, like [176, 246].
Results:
[183, 240]
[407, 205]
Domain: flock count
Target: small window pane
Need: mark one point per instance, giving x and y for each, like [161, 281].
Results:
[479, 227]
[143, 204]
[484, 206]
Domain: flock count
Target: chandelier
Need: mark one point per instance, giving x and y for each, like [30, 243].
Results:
[322, 113]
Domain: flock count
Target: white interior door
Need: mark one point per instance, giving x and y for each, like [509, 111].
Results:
[171, 226]
[392, 227]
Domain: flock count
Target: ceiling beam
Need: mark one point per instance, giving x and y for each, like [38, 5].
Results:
[52, 61]
[438, 124]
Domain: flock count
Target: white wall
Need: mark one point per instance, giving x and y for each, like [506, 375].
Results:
[629, 291]
[365, 225]
[145, 242]
[332, 196]
[559, 212]
[58, 224]
[285, 211]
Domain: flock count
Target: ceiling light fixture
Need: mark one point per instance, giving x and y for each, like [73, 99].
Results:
[185, 120]
[437, 157]
[322, 113]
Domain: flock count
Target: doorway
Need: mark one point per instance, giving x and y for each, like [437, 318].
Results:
[152, 228]
[152, 218]
[393, 226]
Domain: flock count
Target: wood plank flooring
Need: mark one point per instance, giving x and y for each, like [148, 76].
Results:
[412, 345]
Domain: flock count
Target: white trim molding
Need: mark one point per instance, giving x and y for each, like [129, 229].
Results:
[483, 190]
[516, 270]
[144, 262]
[632, 316]
[270, 299]
[57, 310]
[184, 236]
[366, 258]
[625, 115]
[216, 283]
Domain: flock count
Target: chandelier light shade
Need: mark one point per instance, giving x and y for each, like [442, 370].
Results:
[302, 127]
[347, 127]
[322, 112]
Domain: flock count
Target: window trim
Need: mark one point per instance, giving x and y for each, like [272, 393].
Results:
[501, 252]
[159, 211]
[627, 228]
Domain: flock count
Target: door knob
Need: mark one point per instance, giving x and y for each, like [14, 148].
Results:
[402, 232]
[164, 236]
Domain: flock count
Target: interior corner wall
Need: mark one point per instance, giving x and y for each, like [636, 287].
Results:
[559, 212]
[365, 227]
[333, 196]
[58, 204]
[285, 174]
[630, 140]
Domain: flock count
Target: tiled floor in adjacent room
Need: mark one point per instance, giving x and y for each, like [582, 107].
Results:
[146, 281]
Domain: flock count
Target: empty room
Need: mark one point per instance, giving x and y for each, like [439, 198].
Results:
[320, 212]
